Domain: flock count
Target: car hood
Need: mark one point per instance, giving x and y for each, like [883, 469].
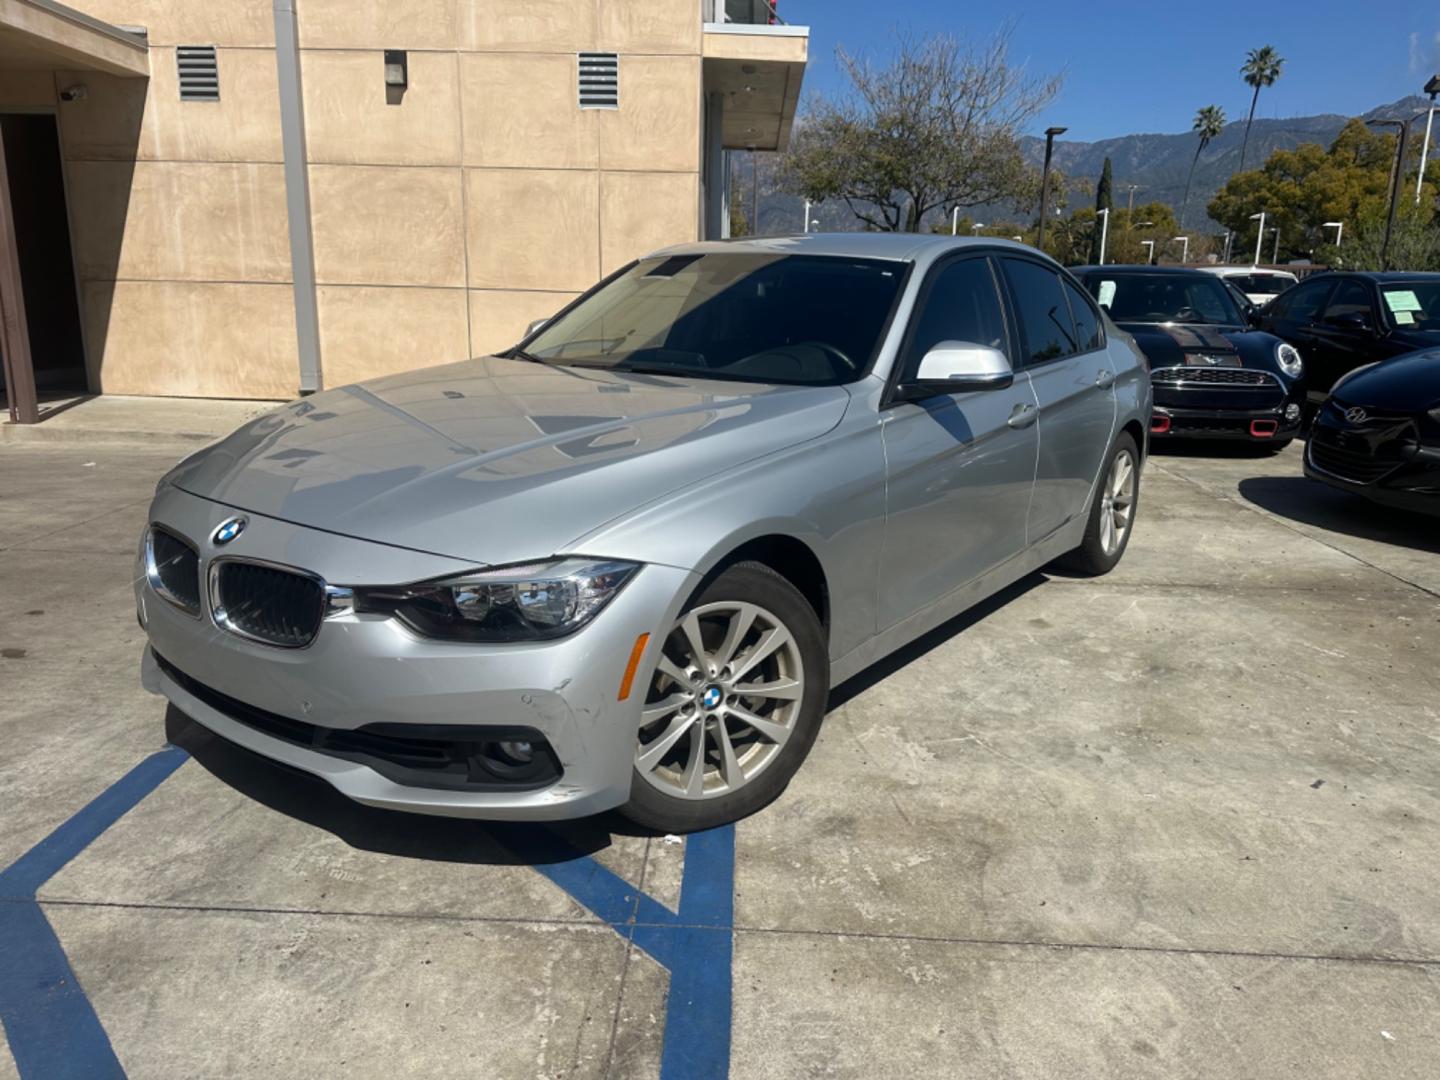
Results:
[1167, 344]
[1406, 384]
[494, 460]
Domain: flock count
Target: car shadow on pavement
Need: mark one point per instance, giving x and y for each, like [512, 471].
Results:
[309, 799]
[1210, 448]
[1311, 503]
[883, 669]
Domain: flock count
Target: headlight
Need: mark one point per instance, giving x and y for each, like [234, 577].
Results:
[1288, 357]
[532, 602]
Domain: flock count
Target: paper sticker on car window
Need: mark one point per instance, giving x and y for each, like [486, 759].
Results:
[1402, 300]
[1405, 318]
[1107, 293]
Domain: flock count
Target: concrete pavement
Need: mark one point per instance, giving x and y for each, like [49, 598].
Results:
[1174, 822]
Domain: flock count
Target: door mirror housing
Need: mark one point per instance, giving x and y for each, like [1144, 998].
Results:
[1351, 320]
[954, 367]
[536, 326]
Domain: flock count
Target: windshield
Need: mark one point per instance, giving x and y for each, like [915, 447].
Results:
[1161, 298]
[1413, 305]
[1261, 284]
[799, 320]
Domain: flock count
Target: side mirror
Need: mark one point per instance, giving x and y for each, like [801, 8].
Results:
[954, 367]
[536, 326]
[1351, 320]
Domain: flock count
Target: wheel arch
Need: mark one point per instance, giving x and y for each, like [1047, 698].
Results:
[786, 554]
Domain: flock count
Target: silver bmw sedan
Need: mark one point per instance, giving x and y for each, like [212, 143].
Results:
[622, 564]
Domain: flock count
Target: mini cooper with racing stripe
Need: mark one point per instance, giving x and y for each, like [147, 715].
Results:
[1214, 376]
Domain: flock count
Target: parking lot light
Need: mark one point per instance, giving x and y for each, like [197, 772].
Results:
[1104, 215]
[1259, 236]
[1338, 226]
[1050, 134]
[1433, 89]
[1185, 249]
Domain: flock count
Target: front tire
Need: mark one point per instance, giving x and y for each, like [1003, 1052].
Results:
[1112, 515]
[734, 705]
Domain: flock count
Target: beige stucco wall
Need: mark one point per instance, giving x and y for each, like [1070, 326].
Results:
[442, 224]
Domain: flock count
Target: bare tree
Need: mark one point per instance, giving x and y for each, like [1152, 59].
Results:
[935, 128]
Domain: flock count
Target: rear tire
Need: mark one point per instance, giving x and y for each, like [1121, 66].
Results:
[1112, 514]
[734, 705]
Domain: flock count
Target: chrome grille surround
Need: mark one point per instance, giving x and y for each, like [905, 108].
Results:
[266, 602]
[172, 567]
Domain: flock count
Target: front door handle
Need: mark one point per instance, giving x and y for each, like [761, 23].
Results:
[1023, 415]
[1104, 378]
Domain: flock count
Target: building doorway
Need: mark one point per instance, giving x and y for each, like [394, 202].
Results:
[51, 335]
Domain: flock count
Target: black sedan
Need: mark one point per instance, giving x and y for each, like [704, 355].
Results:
[1214, 377]
[1378, 435]
[1341, 321]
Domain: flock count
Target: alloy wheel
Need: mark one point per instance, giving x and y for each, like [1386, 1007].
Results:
[724, 701]
[1117, 502]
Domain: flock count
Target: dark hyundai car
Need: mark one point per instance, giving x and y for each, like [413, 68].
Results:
[1378, 435]
[1214, 376]
[1341, 321]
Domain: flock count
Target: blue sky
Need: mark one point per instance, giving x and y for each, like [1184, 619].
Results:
[1131, 69]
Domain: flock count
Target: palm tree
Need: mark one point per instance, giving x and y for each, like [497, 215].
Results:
[1209, 122]
[1261, 68]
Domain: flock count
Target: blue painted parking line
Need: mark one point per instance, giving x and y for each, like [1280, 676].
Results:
[53, 1031]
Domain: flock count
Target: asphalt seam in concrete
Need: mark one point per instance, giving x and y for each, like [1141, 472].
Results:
[865, 935]
[24, 543]
[625, 964]
[1278, 520]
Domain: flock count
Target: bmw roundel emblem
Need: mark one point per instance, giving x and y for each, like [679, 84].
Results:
[229, 529]
[711, 697]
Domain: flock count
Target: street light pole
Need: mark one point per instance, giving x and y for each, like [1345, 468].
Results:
[1149, 246]
[976, 227]
[955, 221]
[1396, 177]
[1339, 227]
[1275, 253]
[1185, 249]
[1130, 206]
[1104, 231]
[1259, 236]
[1433, 89]
[1050, 134]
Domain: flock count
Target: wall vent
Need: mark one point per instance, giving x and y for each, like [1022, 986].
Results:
[199, 73]
[599, 80]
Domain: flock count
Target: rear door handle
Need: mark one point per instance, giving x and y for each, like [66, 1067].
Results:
[1104, 378]
[1023, 415]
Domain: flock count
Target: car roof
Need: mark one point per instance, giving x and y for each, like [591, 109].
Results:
[1140, 268]
[1380, 276]
[901, 247]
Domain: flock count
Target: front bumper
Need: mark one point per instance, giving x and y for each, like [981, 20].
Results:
[1235, 424]
[368, 671]
[1413, 485]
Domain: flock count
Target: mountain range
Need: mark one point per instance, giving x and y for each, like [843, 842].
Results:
[1155, 163]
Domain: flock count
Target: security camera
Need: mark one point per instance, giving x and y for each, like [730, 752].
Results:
[78, 92]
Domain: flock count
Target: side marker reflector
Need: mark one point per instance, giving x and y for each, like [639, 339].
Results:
[635, 654]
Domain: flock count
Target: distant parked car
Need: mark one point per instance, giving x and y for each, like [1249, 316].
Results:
[1214, 377]
[1378, 435]
[1341, 321]
[1259, 286]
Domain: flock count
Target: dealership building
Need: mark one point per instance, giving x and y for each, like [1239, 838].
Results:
[259, 198]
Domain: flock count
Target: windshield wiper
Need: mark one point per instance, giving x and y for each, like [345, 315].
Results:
[518, 353]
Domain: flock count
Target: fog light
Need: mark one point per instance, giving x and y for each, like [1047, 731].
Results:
[520, 753]
[1292, 412]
